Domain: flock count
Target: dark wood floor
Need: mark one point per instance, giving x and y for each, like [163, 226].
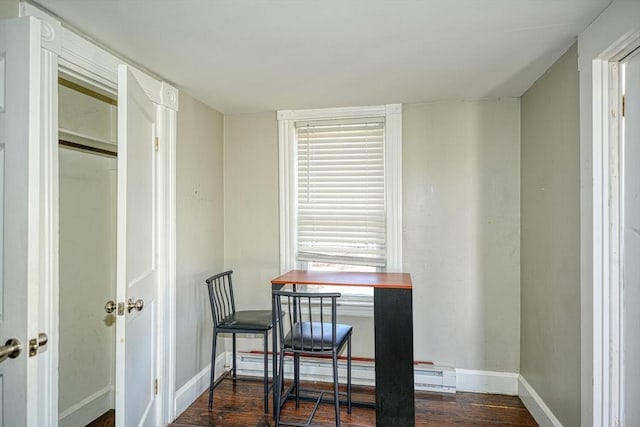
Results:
[241, 406]
[108, 419]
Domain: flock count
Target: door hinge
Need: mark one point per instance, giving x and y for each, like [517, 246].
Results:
[157, 143]
[623, 105]
[155, 387]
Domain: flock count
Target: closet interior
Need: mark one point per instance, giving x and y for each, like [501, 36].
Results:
[87, 252]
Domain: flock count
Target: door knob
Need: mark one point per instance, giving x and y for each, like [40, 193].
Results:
[10, 349]
[110, 307]
[138, 305]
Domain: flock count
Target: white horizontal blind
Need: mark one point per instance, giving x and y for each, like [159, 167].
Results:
[340, 191]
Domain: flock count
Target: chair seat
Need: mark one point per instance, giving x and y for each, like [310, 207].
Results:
[248, 319]
[312, 336]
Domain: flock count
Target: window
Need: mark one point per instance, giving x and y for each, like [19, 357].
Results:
[340, 191]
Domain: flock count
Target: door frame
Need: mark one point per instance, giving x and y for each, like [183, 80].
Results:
[86, 63]
[601, 47]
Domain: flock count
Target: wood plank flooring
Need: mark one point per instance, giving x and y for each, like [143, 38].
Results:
[108, 419]
[240, 405]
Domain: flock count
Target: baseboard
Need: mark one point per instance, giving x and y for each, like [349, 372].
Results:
[426, 377]
[88, 409]
[536, 406]
[189, 392]
[489, 382]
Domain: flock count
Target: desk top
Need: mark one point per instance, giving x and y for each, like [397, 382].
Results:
[345, 278]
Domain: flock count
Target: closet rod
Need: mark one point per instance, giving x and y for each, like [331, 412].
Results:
[86, 91]
[83, 147]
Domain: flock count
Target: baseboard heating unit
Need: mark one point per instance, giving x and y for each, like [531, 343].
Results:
[427, 377]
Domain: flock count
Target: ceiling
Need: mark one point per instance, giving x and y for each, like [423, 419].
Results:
[244, 56]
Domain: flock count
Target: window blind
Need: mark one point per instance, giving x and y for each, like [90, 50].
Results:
[340, 191]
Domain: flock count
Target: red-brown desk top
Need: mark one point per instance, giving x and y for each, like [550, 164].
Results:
[345, 278]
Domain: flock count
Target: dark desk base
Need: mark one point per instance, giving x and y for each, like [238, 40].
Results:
[393, 320]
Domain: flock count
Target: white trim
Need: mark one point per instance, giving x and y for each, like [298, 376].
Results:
[50, 29]
[169, 348]
[335, 113]
[88, 409]
[47, 283]
[435, 378]
[48, 299]
[188, 393]
[491, 382]
[613, 254]
[82, 59]
[287, 190]
[536, 406]
[393, 190]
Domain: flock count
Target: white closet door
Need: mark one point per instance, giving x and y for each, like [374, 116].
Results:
[137, 247]
[19, 216]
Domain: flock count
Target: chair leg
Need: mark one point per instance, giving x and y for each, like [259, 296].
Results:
[296, 375]
[335, 387]
[280, 385]
[266, 375]
[213, 369]
[349, 375]
[233, 369]
[274, 369]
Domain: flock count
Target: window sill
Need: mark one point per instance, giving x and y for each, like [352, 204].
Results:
[355, 308]
[346, 307]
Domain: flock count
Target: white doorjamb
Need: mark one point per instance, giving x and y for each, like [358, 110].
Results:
[606, 221]
[167, 249]
[84, 62]
[48, 289]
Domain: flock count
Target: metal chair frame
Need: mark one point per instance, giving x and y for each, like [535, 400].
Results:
[310, 333]
[223, 311]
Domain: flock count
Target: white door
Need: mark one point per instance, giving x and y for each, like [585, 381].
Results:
[19, 180]
[137, 270]
[631, 245]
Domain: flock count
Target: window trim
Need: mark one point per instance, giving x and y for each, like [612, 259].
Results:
[393, 178]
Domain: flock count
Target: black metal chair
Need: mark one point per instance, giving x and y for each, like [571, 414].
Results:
[307, 326]
[227, 320]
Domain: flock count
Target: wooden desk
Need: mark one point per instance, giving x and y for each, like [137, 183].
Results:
[393, 322]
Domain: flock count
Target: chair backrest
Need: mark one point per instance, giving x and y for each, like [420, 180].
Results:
[221, 297]
[307, 320]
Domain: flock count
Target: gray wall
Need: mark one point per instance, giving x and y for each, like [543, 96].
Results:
[550, 242]
[461, 226]
[8, 8]
[461, 231]
[251, 244]
[199, 230]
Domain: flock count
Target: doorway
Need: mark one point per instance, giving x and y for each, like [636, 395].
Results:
[87, 253]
